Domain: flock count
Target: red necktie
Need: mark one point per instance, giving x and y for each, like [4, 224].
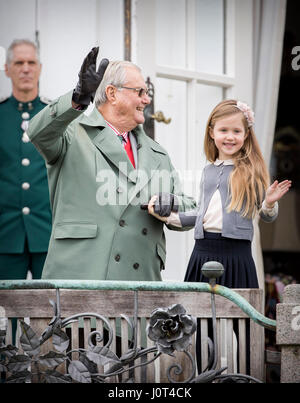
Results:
[128, 149]
[125, 141]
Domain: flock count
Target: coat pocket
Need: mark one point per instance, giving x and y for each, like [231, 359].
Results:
[161, 252]
[75, 230]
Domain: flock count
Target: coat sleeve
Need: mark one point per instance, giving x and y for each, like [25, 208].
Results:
[50, 130]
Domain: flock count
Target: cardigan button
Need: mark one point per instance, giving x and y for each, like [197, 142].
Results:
[117, 258]
[136, 266]
[144, 231]
[122, 223]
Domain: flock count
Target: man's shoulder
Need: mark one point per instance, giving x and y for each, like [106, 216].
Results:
[153, 144]
[157, 147]
[3, 99]
[45, 100]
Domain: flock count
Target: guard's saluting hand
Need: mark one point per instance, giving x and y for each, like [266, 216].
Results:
[89, 78]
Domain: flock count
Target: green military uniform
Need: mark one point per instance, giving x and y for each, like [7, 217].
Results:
[25, 215]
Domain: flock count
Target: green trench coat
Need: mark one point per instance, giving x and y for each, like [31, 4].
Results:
[99, 231]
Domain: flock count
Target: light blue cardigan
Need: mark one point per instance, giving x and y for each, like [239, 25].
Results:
[234, 225]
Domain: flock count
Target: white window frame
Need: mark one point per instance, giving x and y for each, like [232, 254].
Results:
[236, 82]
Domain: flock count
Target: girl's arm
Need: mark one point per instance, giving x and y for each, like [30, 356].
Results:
[184, 220]
[173, 219]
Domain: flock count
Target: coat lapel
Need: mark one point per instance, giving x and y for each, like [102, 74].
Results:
[148, 160]
[108, 143]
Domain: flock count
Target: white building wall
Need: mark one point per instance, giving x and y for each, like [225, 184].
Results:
[67, 30]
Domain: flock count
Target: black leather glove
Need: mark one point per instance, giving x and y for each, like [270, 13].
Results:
[89, 78]
[165, 203]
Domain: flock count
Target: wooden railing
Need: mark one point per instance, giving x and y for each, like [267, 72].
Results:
[29, 301]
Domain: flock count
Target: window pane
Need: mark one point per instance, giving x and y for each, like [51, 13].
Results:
[207, 98]
[210, 36]
[170, 33]
[172, 136]
[170, 98]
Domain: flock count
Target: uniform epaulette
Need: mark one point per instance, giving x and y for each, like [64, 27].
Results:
[45, 100]
[3, 99]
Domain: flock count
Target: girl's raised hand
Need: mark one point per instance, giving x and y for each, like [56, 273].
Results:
[276, 191]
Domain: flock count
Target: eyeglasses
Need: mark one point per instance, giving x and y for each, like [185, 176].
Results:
[141, 91]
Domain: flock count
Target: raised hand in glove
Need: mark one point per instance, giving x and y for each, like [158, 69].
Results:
[89, 78]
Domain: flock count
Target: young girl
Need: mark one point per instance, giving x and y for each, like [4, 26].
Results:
[234, 186]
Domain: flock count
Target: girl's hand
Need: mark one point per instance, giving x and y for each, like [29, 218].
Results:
[276, 191]
[151, 209]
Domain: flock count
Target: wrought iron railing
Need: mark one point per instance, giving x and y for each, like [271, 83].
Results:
[169, 328]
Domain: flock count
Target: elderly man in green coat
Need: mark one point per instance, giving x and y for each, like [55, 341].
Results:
[101, 169]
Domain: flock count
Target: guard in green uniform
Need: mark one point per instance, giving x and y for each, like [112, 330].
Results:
[25, 215]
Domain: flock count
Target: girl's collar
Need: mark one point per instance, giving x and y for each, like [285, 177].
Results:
[224, 162]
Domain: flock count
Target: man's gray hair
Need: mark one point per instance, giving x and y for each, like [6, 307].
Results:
[17, 42]
[115, 75]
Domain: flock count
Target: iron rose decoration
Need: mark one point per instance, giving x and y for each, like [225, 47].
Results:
[171, 328]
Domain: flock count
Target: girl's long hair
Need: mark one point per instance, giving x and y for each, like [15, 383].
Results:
[250, 177]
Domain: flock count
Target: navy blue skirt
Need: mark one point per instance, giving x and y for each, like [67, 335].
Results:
[234, 254]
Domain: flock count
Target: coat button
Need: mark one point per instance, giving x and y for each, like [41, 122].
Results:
[144, 231]
[122, 223]
[25, 210]
[117, 258]
[25, 185]
[25, 138]
[25, 115]
[136, 266]
[25, 162]
[25, 125]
